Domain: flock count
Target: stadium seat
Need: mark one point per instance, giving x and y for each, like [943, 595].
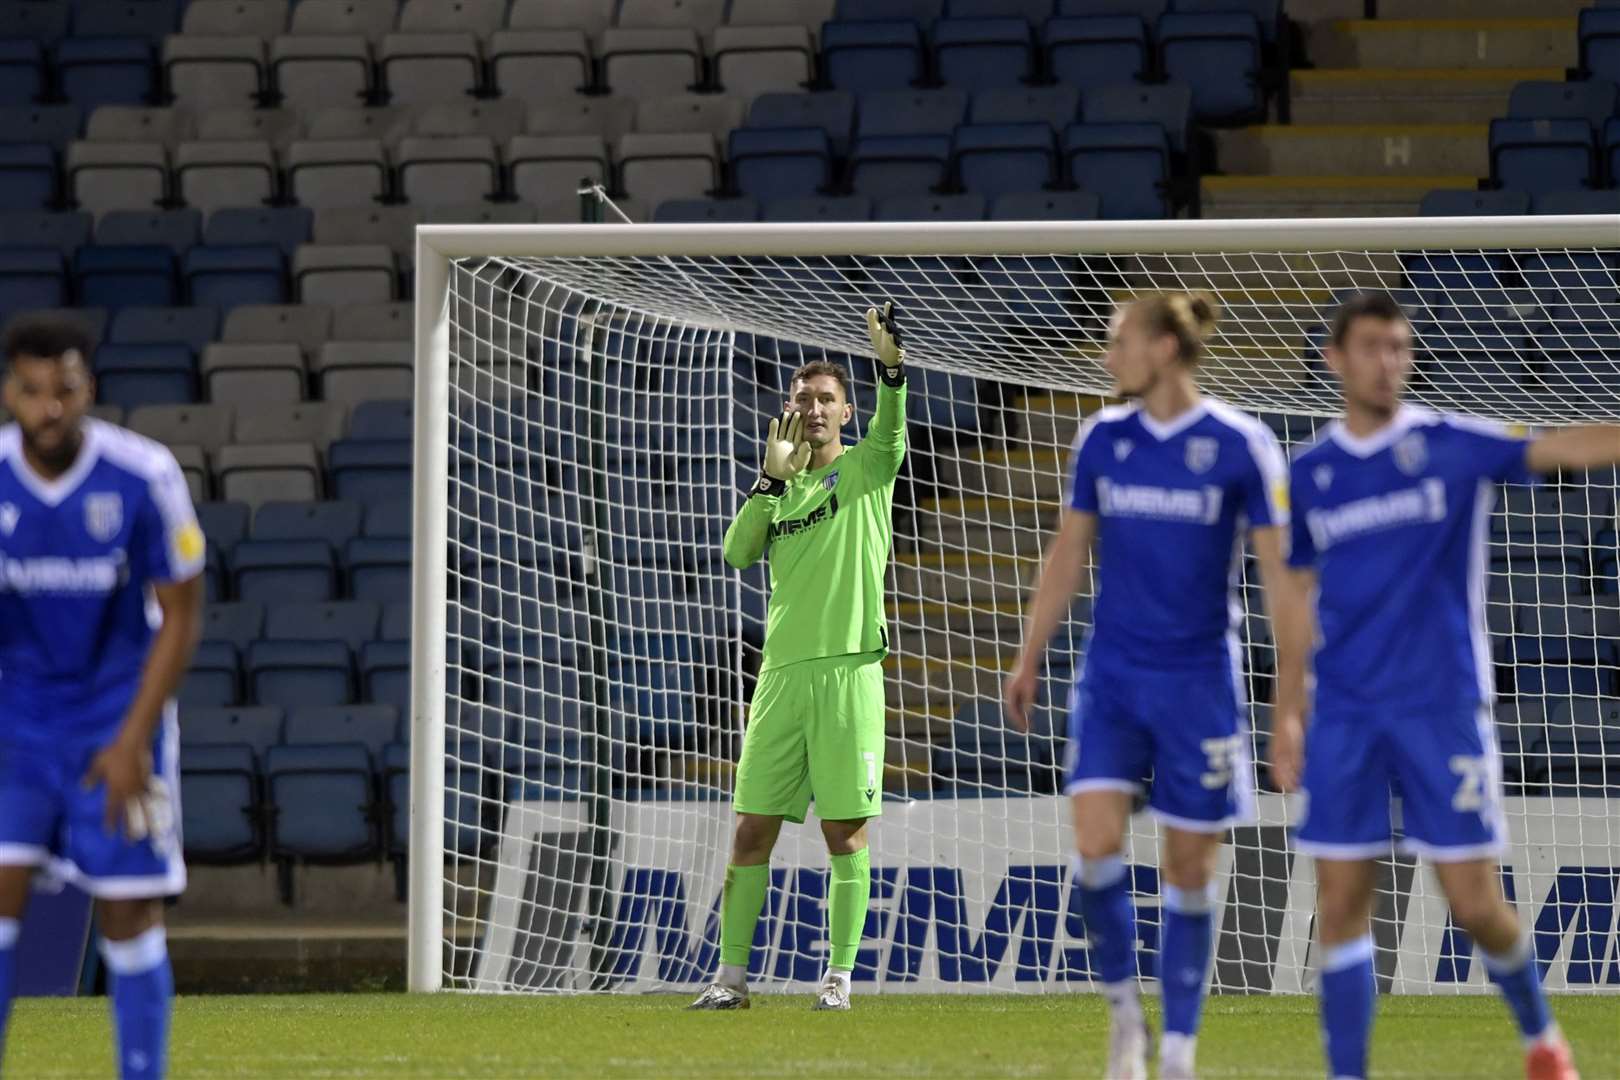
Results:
[337, 172]
[310, 70]
[754, 60]
[841, 208]
[283, 571]
[149, 20]
[443, 170]
[31, 278]
[1046, 206]
[251, 375]
[226, 277]
[712, 114]
[538, 65]
[126, 275]
[177, 230]
[898, 165]
[306, 326]
[1578, 201]
[391, 321]
[220, 812]
[299, 673]
[780, 163]
[871, 54]
[1598, 30]
[1055, 106]
[279, 127]
[605, 117]
[355, 371]
[224, 524]
[377, 570]
[911, 112]
[983, 53]
[1543, 155]
[372, 726]
[385, 670]
[1593, 101]
[28, 177]
[1167, 104]
[64, 230]
[351, 622]
[94, 71]
[1218, 56]
[713, 210]
[656, 168]
[257, 727]
[261, 473]
[151, 374]
[215, 71]
[140, 123]
[335, 522]
[353, 226]
[284, 227]
[323, 803]
[921, 12]
[262, 19]
[651, 63]
[214, 175]
[239, 622]
[546, 167]
[1000, 159]
[419, 68]
[832, 112]
[53, 125]
[1460, 202]
[388, 520]
[194, 327]
[1094, 50]
[315, 422]
[371, 471]
[212, 679]
[386, 123]
[396, 618]
[343, 275]
[117, 176]
[207, 426]
[1126, 165]
[194, 468]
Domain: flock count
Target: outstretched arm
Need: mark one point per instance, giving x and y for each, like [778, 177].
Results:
[1061, 574]
[1583, 447]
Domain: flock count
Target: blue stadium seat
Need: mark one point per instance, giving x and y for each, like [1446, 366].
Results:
[135, 375]
[1034, 12]
[149, 20]
[284, 571]
[1599, 33]
[1046, 206]
[1462, 202]
[829, 208]
[381, 420]
[396, 622]
[240, 622]
[1560, 667]
[220, 811]
[968, 207]
[999, 159]
[193, 327]
[177, 230]
[224, 524]
[983, 53]
[1093, 51]
[63, 230]
[31, 278]
[333, 521]
[385, 673]
[28, 178]
[1593, 101]
[1219, 57]
[96, 71]
[898, 164]
[1571, 286]
[1126, 165]
[871, 54]
[370, 471]
[1167, 104]
[372, 726]
[255, 726]
[23, 71]
[388, 521]
[53, 125]
[377, 570]
[651, 681]
[1539, 156]
[294, 673]
[323, 802]
[44, 21]
[911, 112]
[706, 210]
[350, 621]
[1056, 106]
[1577, 201]
[212, 679]
[1037, 291]
[918, 11]
[282, 227]
[124, 276]
[831, 111]
[780, 163]
[944, 400]
[226, 277]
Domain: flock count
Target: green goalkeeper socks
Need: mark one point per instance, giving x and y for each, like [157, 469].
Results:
[740, 905]
[847, 898]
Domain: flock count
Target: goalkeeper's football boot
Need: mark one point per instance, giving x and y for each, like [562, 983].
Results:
[1549, 1058]
[833, 994]
[720, 996]
[1128, 1041]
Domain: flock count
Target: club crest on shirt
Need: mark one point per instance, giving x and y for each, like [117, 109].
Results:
[103, 515]
[1122, 449]
[1201, 454]
[831, 480]
[1412, 453]
[8, 518]
[1323, 475]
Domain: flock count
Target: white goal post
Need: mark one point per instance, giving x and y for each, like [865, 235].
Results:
[589, 402]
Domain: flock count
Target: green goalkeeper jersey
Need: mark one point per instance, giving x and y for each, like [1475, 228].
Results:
[828, 540]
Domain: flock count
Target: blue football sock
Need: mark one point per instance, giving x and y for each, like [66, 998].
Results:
[1184, 957]
[1105, 904]
[142, 989]
[8, 973]
[1515, 974]
[1348, 996]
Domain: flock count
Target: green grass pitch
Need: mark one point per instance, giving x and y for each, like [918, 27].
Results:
[394, 1035]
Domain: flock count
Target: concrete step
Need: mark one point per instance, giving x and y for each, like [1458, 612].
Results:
[1321, 196]
[1433, 43]
[1399, 96]
[1354, 150]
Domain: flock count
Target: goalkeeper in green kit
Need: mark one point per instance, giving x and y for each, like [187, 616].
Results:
[816, 726]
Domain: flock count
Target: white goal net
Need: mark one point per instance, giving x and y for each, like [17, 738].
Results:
[591, 403]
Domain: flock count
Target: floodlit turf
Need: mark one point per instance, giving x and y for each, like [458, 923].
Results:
[392, 1035]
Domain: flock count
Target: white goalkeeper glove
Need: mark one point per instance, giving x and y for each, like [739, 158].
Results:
[786, 453]
[886, 343]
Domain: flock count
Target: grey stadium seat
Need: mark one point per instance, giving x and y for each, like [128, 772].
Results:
[444, 170]
[265, 472]
[337, 172]
[304, 325]
[607, 117]
[500, 120]
[482, 17]
[248, 375]
[656, 168]
[708, 114]
[754, 60]
[420, 68]
[137, 123]
[538, 65]
[701, 15]
[394, 226]
[370, 19]
[213, 72]
[106, 176]
[278, 127]
[591, 16]
[341, 274]
[214, 175]
[651, 63]
[549, 167]
[395, 321]
[485, 213]
[355, 371]
[316, 422]
[258, 18]
[809, 14]
[312, 70]
[207, 426]
[389, 124]
[194, 467]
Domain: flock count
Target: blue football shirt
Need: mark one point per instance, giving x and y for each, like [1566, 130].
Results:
[1172, 503]
[1396, 525]
[78, 555]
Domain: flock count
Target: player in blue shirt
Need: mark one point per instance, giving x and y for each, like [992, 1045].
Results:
[100, 607]
[1166, 486]
[1391, 510]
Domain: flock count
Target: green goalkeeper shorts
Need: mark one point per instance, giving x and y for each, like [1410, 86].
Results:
[815, 730]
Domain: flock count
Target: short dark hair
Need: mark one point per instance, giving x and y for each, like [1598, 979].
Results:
[1367, 305]
[824, 367]
[47, 336]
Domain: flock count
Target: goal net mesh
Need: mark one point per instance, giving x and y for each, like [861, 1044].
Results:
[606, 414]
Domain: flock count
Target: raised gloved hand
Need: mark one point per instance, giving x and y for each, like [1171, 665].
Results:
[786, 453]
[886, 343]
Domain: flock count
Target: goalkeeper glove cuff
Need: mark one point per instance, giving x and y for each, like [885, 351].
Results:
[892, 376]
[769, 485]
